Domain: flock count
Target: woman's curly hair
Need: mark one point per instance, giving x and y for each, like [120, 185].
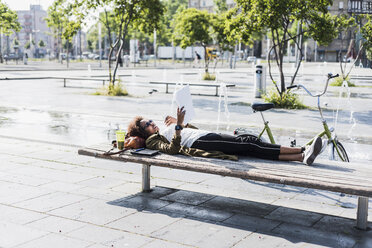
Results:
[135, 129]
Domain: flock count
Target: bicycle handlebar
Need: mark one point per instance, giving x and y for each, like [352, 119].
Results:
[292, 86]
[308, 92]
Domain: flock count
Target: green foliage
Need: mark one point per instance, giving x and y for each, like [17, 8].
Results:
[339, 81]
[192, 26]
[15, 42]
[41, 43]
[28, 45]
[112, 90]
[286, 100]
[8, 20]
[209, 76]
[279, 19]
[220, 6]
[366, 31]
[219, 32]
[143, 15]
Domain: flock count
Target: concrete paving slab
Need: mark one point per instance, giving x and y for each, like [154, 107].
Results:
[58, 241]
[158, 192]
[251, 223]
[93, 211]
[310, 206]
[127, 188]
[201, 234]
[261, 240]
[50, 201]
[294, 216]
[109, 237]
[197, 212]
[186, 176]
[114, 166]
[295, 233]
[325, 197]
[188, 197]
[56, 224]
[240, 185]
[52, 165]
[102, 194]
[239, 206]
[23, 179]
[140, 203]
[12, 192]
[226, 192]
[102, 182]
[144, 222]
[340, 225]
[62, 187]
[106, 173]
[18, 215]
[169, 183]
[17, 234]
[164, 244]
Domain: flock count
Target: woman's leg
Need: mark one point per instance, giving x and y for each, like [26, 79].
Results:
[290, 150]
[238, 145]
[292, 157]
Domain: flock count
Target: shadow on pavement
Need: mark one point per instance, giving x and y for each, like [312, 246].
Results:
[291, 224]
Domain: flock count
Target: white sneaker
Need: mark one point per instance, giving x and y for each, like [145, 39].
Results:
[312, 151]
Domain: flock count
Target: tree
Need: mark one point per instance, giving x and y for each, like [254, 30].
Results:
[8, 23]
[141, 14]
[28, 45]
[65, 19]
[277, 17]
[364, 45]
[41, 43]
[193, 26]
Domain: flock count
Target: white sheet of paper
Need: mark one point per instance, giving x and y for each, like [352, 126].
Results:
[183, 99]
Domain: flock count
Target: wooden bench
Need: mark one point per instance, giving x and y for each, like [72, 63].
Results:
[216, 85]
[347, 178]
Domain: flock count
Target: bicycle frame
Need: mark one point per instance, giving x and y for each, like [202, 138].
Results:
[326, 132]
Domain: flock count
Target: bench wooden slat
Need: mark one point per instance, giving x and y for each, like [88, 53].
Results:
[349, 178]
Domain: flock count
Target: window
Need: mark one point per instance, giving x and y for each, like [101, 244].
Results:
[341, 5]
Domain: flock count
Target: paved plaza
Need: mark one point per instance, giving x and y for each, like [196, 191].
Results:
[52, 197]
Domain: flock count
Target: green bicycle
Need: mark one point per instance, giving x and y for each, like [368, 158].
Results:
[338, 151]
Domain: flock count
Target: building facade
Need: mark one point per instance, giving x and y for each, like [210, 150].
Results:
[35, 29]
[208, 5]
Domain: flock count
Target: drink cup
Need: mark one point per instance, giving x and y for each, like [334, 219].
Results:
[120, 138]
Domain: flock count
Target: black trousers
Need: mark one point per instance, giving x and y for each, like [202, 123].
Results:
[238, 145]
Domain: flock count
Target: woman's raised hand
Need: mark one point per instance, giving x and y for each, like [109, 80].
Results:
[180, 115]
[170, 120]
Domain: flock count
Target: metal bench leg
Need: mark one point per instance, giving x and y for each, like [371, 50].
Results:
[64, 82]
[216, 90]
[362, 213]
[166, 88]
[103, 82]
[146, 178]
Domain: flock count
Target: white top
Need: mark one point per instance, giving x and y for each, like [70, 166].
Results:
[188, 135]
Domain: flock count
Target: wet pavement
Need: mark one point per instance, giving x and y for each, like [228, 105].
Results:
[49, 193]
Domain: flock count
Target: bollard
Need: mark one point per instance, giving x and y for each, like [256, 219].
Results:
[259, 81]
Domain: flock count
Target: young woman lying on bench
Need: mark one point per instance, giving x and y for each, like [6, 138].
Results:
[178, 138]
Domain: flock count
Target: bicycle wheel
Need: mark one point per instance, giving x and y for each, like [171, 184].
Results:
[339, 154]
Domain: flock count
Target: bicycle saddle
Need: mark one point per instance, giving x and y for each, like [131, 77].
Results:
[262, 106]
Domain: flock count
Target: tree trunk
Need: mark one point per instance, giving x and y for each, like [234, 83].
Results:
[205, 59]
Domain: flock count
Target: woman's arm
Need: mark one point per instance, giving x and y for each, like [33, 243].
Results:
[160, 143]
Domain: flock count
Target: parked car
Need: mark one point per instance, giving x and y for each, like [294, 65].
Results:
[252, 59]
